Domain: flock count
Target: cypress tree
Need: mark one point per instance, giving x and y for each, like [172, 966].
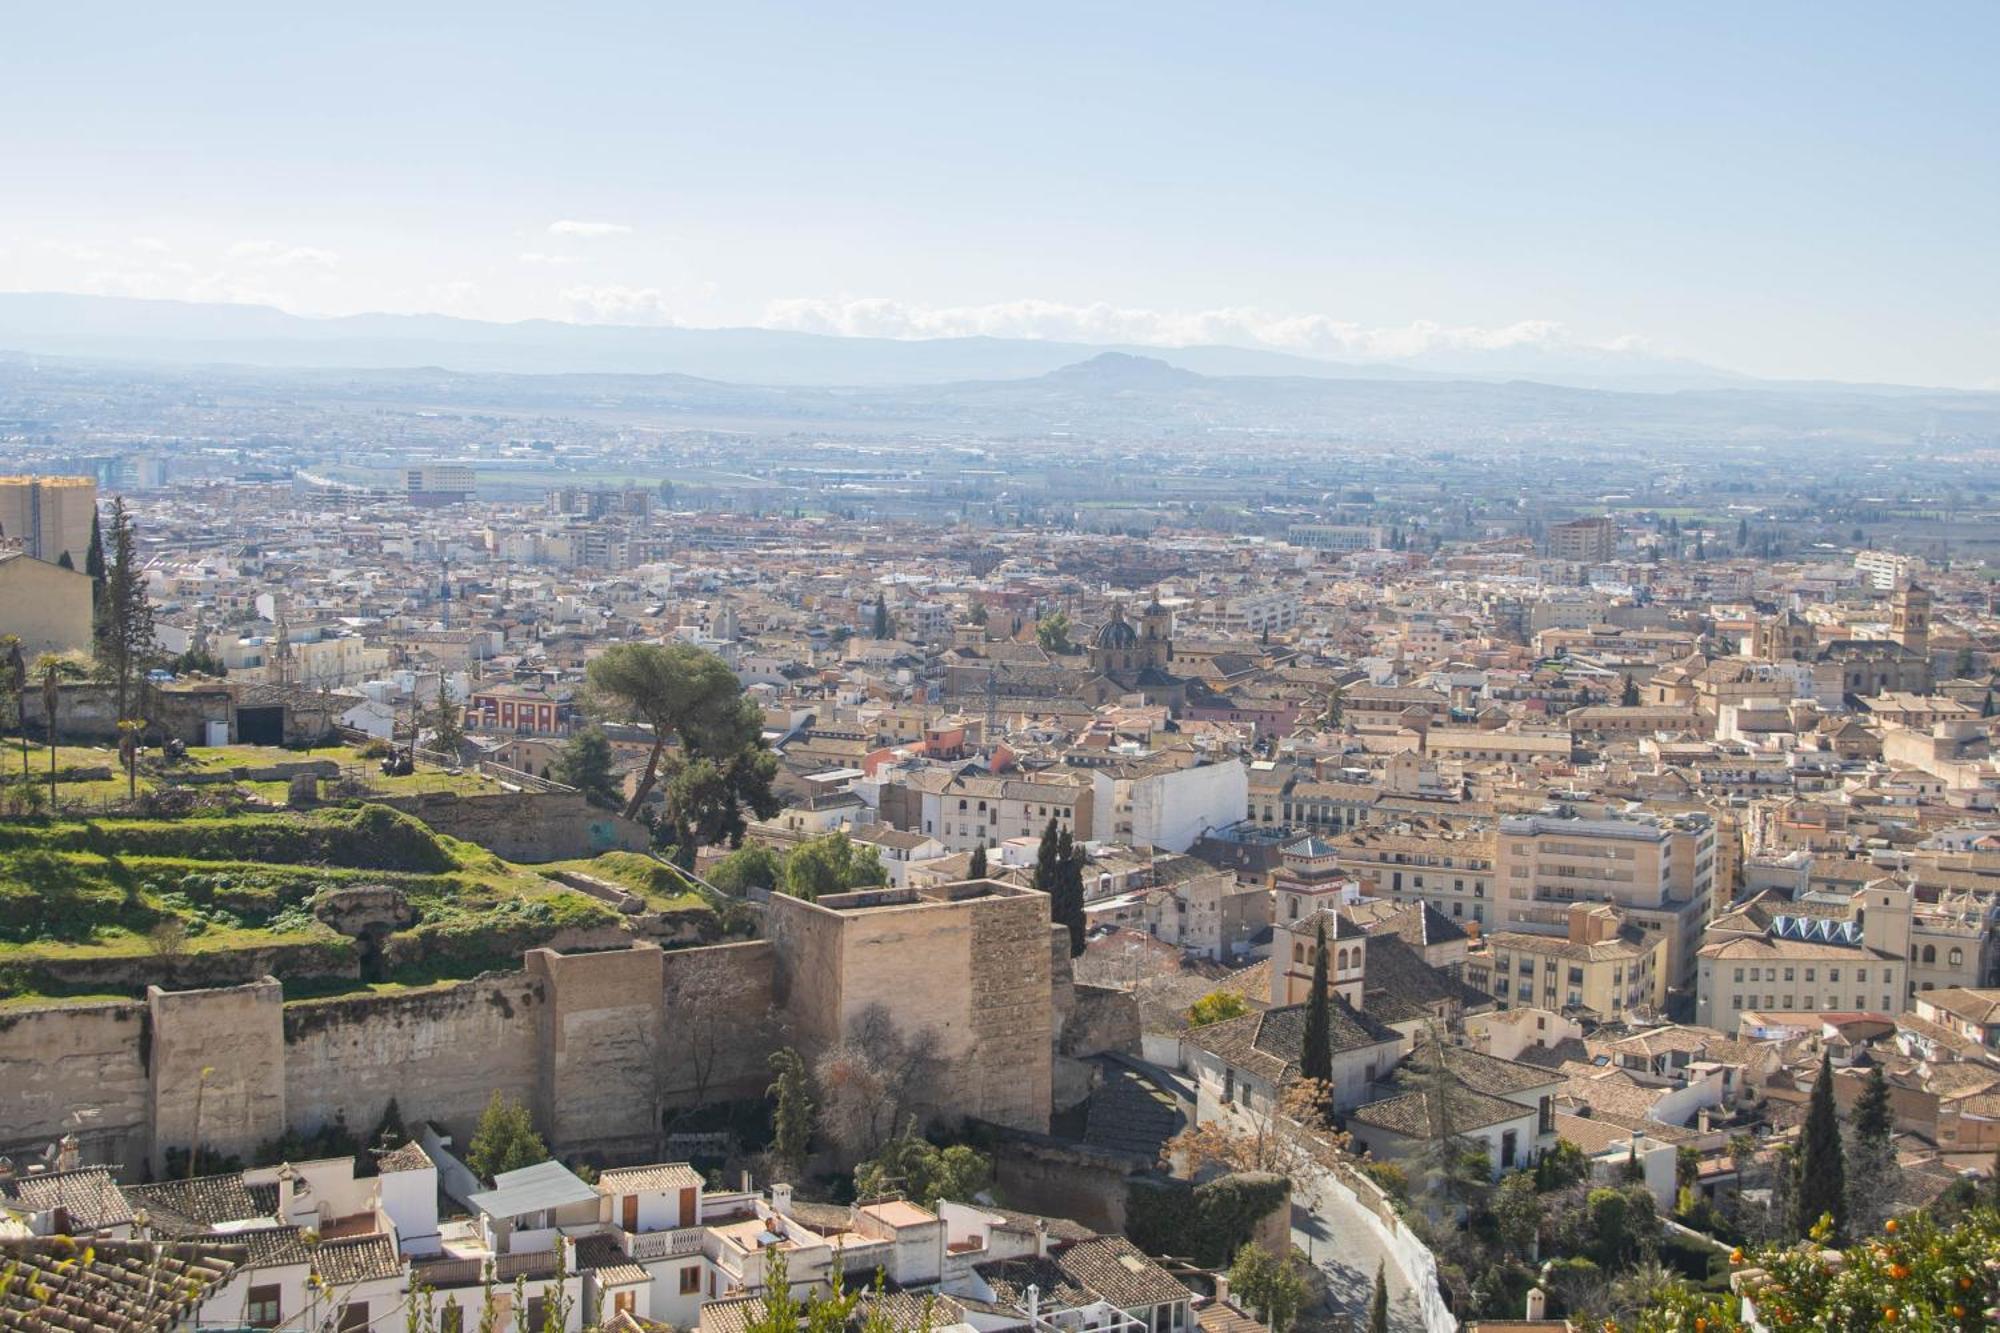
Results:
[1378, 1309]
[125, 615]
[1822, 1172]
[977, 869]
[1873, 1122]
[1046, 866]
[1066, 901]
[1316, 1059]
[881, 617]
[93, 558]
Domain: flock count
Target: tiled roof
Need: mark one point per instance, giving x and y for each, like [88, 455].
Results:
[89, 1196]
[1400, 987]
[1109, 1268]
[361, 1259]
[1488, 1073]
[410, 1157]
[906, 1311]
[184, 1207]
[635, 1179]
[65, 1286]
[1129, 1113]
[1418, 1115]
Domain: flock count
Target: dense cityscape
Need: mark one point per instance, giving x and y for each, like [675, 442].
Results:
[1052, 668]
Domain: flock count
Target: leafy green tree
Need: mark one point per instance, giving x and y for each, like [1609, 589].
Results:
[1270, 1286]
[792, 1112]
[923, 1172]
[1217, 1006]
[751, 866]
[830, 864]
[585, 764]
[1316, 1055]
[1518, 1213]
[505, 1139]
[1822, 1178]
[976, 868]
[124, 620]
[1052, 632]
[683, 692]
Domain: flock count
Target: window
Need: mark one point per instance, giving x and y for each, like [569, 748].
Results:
[1956, 958]
[1229, 1085]
[1930, 953]
[1739, 974]
[261, 1309]
[1861, 974]
[451, 1318]
[1509, 1146]
[627, 1302]
[537, 1312]
[691, 1280]
[354, 1317]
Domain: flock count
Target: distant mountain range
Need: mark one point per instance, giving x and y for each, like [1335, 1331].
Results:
[186, 333]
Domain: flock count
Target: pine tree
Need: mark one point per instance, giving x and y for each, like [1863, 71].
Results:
[977, 868]
[505, 1139]
[1378, 1309]
[125, 615]
[1316, 1058]
[1822, 1178]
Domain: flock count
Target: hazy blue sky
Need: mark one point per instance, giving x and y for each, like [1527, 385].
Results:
[1786, 189]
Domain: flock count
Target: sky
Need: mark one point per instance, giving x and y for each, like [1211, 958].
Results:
[1789, 190]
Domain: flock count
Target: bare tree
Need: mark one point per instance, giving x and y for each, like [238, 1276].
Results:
[1285, 1136]
[713, 1009]
[875, 1080]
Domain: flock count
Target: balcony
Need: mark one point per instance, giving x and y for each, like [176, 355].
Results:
[642, 1246]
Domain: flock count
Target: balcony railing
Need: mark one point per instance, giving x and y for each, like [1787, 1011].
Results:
[644, 1245]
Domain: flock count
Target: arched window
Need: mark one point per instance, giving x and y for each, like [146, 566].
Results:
[1298, 953]
[1930, 953]
[1956, 958]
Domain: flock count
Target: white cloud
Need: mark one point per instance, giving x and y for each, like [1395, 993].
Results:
[618, 305]
[275, 254]
[537, 257]
[151, 245]
[1306, 335]
[569, 227]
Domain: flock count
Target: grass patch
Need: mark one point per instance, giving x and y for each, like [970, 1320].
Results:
[663, 888]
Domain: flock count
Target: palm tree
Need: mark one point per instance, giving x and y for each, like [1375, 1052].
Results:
[53, 669]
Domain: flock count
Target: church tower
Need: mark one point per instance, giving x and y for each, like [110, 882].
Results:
[1156, 635]
[1910, 617]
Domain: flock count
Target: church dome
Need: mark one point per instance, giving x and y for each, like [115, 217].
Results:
[1117, 634]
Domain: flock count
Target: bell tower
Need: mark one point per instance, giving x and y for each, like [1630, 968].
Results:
[1910, 617]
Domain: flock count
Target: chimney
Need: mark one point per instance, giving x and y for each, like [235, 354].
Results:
[1222, 1288]
[781, 1199]
[1538, 1305]
[69, 1153]
[287, 1187]
[1042, 1238]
